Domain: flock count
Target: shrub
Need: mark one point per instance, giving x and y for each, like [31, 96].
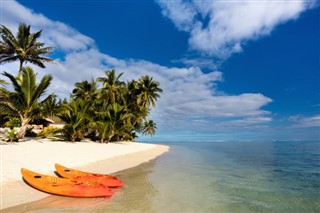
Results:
[70, 134]
[11, 135]
[49, 132]
[13, 122]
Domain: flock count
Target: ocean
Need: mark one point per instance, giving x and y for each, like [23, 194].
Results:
[279, 176]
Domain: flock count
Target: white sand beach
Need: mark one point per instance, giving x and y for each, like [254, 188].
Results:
[41, 155]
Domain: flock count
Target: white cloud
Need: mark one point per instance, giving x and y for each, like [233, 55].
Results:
[305, 121]
[191, 98]
[220, 28]
[57, 34]
[181, 12]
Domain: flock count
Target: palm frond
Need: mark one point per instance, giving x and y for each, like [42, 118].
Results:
[24, 47]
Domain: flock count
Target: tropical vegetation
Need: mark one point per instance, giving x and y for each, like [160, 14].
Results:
[24, 101]
[103, 109]
[116, 110]
[24, 47]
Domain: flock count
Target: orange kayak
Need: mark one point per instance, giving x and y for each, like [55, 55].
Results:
[66, 187]
[72, 174]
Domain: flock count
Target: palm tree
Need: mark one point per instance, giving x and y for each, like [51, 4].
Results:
[23, 48]
[24, 100]
[130, 101]
[100, 123]
[118, 121]
[149, 92]
[51, 107]
[149, 128]
[111, 86]
[75, 116]
[85, 90]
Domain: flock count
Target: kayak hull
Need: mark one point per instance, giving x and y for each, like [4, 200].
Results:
[73, 174]
[65, 187]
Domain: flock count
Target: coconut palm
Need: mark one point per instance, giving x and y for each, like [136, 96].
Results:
[149, 92]
[118, 121]
[100, 123]
[51, 107]
[75, 116]
[134, 105]
[129, 100]
[23, 48]
[149, 128]
[24, 102]
[117, 111]
[112, 86]
[85, 90]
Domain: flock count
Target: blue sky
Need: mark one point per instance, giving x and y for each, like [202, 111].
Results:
[236, 70]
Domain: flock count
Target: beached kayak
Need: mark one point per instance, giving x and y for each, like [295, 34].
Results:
[73, 174]
[63, 186]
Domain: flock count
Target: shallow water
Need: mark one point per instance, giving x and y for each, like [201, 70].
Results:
[211, 177]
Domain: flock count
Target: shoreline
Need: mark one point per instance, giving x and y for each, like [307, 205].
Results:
[40, 156]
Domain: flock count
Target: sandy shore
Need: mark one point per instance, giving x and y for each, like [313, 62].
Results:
[41, 155]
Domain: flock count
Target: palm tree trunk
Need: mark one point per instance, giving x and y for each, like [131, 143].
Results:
[23, 129]
[110, 136]
[73, 137]
[102, 138]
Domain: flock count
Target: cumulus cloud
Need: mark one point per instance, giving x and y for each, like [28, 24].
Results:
[220, 28]
[57, 34]
[191, 98]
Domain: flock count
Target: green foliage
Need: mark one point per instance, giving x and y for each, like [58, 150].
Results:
[24, 102]
[115, 122]
[75, 117]
[23, 48]
[11, 135]
[149, 128]
[112, 88]
[13, 122]
[114, 112]
[85, 90]
[49, 131]
[50, 106]
[148, 92]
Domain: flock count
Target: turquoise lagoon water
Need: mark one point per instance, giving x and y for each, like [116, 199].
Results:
[211, 177]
